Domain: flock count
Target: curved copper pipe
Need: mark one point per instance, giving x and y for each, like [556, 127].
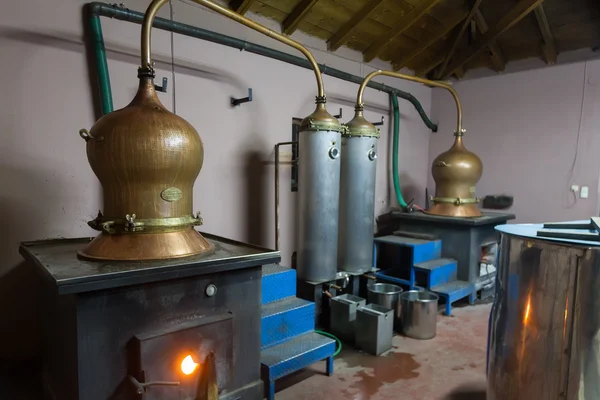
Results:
[427, 82]
[157, 4]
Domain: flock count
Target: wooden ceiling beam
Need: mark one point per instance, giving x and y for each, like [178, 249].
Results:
[443, 32]
[549, 48]
[425, 69]
[406, 22]
[516, 14]
[496, 56]
[345, 32]
[291, 22]
[240, 6]
[459, 35]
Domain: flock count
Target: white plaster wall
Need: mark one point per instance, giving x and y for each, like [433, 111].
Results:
[48, 188]
[525, 128]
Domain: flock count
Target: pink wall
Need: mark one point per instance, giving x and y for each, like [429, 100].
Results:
[49, 190]
[524, 126]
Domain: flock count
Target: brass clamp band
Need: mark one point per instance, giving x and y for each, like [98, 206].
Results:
[455, 200]
[130, 224]
[316, 125]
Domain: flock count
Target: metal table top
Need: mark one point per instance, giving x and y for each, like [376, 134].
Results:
[486, 219]
[530, 231]
[58, 262]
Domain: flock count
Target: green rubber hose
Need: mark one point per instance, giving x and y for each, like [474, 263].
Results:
[101, 65]
[395, 146]
[339, 343]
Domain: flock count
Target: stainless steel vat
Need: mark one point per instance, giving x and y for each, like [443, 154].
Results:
[386, 295]
[418, 314]
[357, 203]
[374, 328]
[318, 191]
[544, 337]
[342, 319]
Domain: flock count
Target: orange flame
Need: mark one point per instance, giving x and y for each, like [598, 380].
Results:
[188, 365]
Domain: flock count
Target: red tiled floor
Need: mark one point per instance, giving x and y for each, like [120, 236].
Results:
[449, 367]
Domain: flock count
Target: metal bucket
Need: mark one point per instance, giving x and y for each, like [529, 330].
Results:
[418, 314]
[386, 295]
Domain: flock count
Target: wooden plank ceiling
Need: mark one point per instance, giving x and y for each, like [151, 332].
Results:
[440, 38]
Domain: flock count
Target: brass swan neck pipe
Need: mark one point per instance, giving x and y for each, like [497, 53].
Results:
[427, 82]
[157, 4]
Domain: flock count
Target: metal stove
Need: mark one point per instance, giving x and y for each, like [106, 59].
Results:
[181, 329]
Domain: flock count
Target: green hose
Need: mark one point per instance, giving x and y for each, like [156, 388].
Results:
[101, 65]
[339, 343]
[395, 143]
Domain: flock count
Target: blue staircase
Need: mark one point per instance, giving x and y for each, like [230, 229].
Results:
[422, 265]
[288, 338]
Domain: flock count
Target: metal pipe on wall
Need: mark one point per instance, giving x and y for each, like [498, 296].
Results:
[113, 11]
[277, 190]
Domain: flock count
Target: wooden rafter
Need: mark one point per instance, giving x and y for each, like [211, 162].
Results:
[291, 22]
[345, 32]
[240, 6]
[549, 48]
[406, 22]
[427, 68]
[459, 35]
[422, 47]
[517, 13]
[496, 56]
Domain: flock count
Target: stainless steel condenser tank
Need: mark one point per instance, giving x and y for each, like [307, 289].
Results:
[357, 195]
[319, 192]
[544, 337]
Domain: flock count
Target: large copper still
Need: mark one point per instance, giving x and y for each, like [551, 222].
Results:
[456, 171]
[147, 160]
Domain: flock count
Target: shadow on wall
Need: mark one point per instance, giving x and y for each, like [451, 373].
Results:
[25, 212]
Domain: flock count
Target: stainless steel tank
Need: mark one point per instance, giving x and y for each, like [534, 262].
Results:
[357, 195]
[544, 336]
[319, 191]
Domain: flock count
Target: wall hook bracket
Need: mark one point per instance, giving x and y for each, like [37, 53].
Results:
[379, 123]
[237, 102]
[162, 88]
[339, 115]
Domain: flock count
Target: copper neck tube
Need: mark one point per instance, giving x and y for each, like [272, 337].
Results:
[146, 61]
[359, 98]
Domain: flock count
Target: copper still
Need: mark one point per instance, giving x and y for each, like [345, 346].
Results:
[456, 171]
[147, 160]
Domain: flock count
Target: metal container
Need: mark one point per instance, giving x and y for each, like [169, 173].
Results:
[544, 338]
[343, 316]
[319, 190]
[374, 328]
[418, 314]
[357, 203]
[386, 295]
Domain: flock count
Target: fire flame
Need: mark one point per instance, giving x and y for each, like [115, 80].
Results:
[188, 365]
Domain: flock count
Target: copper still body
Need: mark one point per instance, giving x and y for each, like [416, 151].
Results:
[147, 160]
[456, 172]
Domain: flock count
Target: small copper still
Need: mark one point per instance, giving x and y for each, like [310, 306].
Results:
[456, 171]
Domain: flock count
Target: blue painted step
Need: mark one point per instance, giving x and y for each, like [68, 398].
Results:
[438, 271]
[293, 355]
[453, 291]
[284, 319]
[422, 250]
[277, 283]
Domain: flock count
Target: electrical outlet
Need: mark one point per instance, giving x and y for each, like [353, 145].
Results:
[584, 192]
[574, 188]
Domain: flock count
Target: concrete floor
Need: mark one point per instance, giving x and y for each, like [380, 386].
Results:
[449, 367]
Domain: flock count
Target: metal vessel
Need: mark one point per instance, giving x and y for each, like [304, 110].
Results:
[357, 194]
[147, 160]
[318, 195]
[544, 337]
